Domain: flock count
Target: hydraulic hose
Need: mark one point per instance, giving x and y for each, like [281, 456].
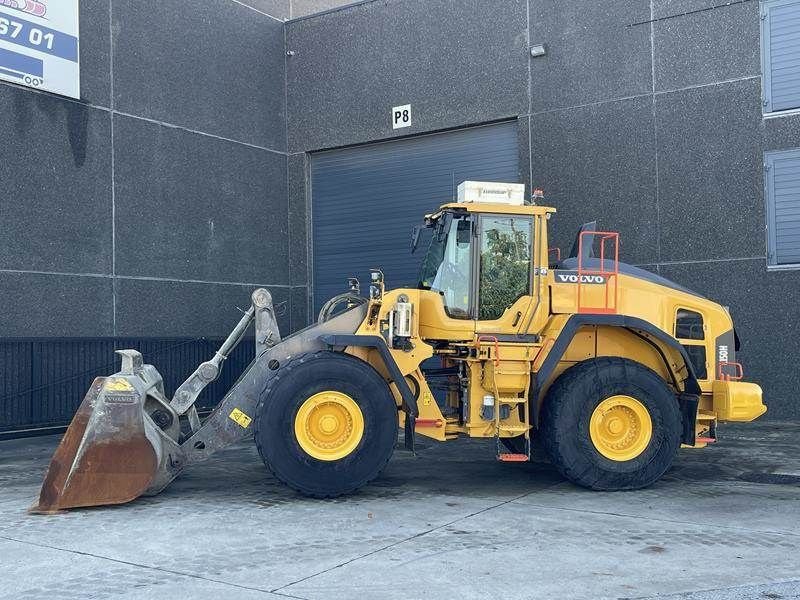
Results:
[326, 312]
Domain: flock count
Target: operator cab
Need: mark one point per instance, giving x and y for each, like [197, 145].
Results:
[480, 256]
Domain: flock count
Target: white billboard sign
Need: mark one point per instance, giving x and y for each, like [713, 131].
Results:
[39, 45]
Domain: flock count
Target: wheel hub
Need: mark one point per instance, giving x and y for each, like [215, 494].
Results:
[329, 425]
[620, 428]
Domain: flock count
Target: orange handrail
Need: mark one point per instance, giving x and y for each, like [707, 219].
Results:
[608, 275]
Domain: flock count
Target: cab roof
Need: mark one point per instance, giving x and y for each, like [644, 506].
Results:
[493, 208]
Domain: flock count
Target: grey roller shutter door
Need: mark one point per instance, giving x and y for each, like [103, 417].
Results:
[783, 207]
[780, 39]
[366, 199]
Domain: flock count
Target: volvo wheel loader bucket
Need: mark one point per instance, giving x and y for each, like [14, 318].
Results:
[113, 451]
[126, 441]
[109, 454]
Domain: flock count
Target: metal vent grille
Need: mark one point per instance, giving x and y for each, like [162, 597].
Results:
[45, 379]
[783, 207]
[780, 39]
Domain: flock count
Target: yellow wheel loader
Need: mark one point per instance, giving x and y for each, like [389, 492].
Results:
[610, 367]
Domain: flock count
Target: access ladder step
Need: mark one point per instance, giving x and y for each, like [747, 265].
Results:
[513, 457]
[514, 429]
[511, 400]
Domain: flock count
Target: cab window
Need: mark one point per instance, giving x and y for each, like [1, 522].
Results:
[446, 267]
[689, 331]
[505, 263]
[689, 325]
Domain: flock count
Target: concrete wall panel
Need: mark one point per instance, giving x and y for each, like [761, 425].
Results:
[280, 9]
[665, 9]
[523, 137]
[218, 68]
[46, 305]
[190, 206]
[595, 52]
[590, 170]
[177, 309]
[711, 195]
[95, 48]
[456, 63]
[298, 219]
[56, 175]
[300, 302]
[302, 8]
[781, 133]
[707, 46]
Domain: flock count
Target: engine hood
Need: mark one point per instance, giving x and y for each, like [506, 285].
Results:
[626, 269]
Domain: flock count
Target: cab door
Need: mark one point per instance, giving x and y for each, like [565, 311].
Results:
[508, 279]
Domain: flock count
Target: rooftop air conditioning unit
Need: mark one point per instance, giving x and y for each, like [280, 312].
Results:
[497, 193]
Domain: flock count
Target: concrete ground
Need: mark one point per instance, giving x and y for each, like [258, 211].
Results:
[448, 523]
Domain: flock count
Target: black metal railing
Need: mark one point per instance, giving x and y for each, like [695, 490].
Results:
[43, 380]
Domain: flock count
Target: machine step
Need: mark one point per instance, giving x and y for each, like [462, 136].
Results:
[513, 457]
[516, 429]
[511, 400]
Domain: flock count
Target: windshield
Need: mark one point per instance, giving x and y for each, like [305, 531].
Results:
[446, 267]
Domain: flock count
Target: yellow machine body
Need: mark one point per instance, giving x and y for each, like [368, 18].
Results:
[504, 354]
[612, 366]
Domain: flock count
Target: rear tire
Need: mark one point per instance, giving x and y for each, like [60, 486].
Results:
[627, 450]
[303, 378]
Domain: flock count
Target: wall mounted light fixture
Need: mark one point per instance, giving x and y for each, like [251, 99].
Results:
[538, 50]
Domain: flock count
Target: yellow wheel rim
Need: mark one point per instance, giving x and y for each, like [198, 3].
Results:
[620, 428]
[329, 425]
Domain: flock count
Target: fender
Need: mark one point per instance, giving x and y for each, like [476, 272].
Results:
[632, 324]
[379, 344]
[376, 342]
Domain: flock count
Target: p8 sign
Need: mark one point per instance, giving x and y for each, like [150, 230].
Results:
[401, 116]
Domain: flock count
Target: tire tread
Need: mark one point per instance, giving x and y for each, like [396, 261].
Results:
[559, 441]
[265, 395]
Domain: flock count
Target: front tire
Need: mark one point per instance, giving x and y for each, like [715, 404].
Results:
[326, 424]
[611, 424]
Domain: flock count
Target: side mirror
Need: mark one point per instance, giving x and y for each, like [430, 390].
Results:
[415, 237]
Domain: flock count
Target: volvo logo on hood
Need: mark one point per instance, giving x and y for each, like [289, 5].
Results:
[575, 277]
